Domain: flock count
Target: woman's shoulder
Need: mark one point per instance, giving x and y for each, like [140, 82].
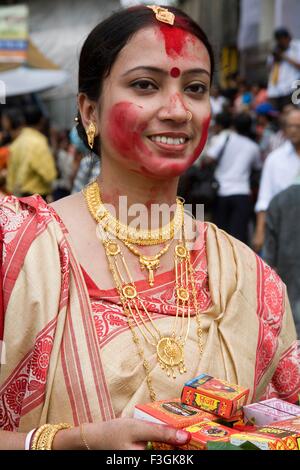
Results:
[72, 212]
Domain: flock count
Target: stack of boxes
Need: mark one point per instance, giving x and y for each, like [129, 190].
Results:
[210, 410]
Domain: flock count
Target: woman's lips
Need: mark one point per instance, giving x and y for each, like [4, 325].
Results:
[169, 148]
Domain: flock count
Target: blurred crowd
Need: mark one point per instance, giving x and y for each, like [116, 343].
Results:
[248, 175]
[37, 158]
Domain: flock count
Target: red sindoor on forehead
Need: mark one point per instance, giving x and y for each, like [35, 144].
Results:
[175, 72]
[175, 40]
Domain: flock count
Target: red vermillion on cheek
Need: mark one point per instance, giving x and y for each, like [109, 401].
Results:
[171, 167]
[125, 128]
[175, 72]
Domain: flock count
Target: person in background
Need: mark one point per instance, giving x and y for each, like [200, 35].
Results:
[243, 100]
[217, 101]
[279, 171]
[259, 93]
[12, 122]
[284, 65]
[279, 138]
[282, 247]
[234, 206]
[265, 127]
[31, 166]
[89, 166]
[65, 163]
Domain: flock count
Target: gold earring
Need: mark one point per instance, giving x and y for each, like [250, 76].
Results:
[189, 115]
[90, 132]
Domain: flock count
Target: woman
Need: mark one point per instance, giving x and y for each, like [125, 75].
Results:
[114, 316]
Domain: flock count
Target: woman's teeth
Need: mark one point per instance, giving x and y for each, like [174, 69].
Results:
[168, 140]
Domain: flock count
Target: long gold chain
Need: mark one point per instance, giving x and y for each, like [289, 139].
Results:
[124, 232]
[169, 349]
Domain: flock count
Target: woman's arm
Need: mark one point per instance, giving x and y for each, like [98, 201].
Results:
[12, 440]
[117, 434]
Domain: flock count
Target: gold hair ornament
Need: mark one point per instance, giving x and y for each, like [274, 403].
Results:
[163, 14]
[90, 132]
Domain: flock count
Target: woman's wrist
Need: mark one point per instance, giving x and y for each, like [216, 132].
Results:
[68, 439]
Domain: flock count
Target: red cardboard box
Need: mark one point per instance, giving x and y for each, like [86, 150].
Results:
[171, 412]
[206, 431]
[283, 435]
[214, 395]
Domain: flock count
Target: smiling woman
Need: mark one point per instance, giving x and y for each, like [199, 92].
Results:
[103, 310]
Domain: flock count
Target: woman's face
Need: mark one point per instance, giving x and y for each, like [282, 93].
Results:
[162, 73]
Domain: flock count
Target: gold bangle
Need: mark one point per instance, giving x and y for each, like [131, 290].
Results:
[49, 435]
[36, 436]
[46, 434]
[83, 438]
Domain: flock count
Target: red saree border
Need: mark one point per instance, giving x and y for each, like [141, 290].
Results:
[25, 388]
[270, 312]
[101, 387]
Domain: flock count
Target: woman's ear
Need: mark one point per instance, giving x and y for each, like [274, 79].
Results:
[87, 109]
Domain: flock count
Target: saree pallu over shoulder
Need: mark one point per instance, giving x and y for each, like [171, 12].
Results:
[51, 346]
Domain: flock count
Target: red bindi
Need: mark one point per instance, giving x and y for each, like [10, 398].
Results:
[175, 72]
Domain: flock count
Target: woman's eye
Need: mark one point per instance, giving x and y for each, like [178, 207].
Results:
[197, 88]
[144, 85]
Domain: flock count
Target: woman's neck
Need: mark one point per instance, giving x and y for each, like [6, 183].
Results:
[140, 194]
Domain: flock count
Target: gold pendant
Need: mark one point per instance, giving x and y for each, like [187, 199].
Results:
[170, 355]
[151, 263]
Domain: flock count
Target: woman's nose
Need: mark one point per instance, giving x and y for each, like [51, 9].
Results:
[174, 109]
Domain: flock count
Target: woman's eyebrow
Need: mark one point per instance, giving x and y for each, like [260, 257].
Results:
[165, 72]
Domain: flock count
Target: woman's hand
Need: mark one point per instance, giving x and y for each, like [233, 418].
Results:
[119, 434]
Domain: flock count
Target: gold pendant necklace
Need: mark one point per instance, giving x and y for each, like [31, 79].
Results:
[151, 263]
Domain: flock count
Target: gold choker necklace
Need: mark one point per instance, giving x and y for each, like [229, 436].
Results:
[124, 232]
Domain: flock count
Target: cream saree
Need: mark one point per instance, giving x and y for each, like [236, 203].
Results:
[70, 355]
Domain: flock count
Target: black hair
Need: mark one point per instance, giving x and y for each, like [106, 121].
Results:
[242, 123]
[15, 117]
[107, 39]
[281, 33]
[223, 119]
[33, 115]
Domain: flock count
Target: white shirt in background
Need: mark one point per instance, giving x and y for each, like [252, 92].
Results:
[280, 169]
[217, 104]
[288, 73]
[240, 156]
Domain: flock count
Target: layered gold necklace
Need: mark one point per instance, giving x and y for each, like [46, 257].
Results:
[170, 348]
[130, 236]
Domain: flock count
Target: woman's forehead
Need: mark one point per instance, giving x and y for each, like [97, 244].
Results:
[163, 45]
